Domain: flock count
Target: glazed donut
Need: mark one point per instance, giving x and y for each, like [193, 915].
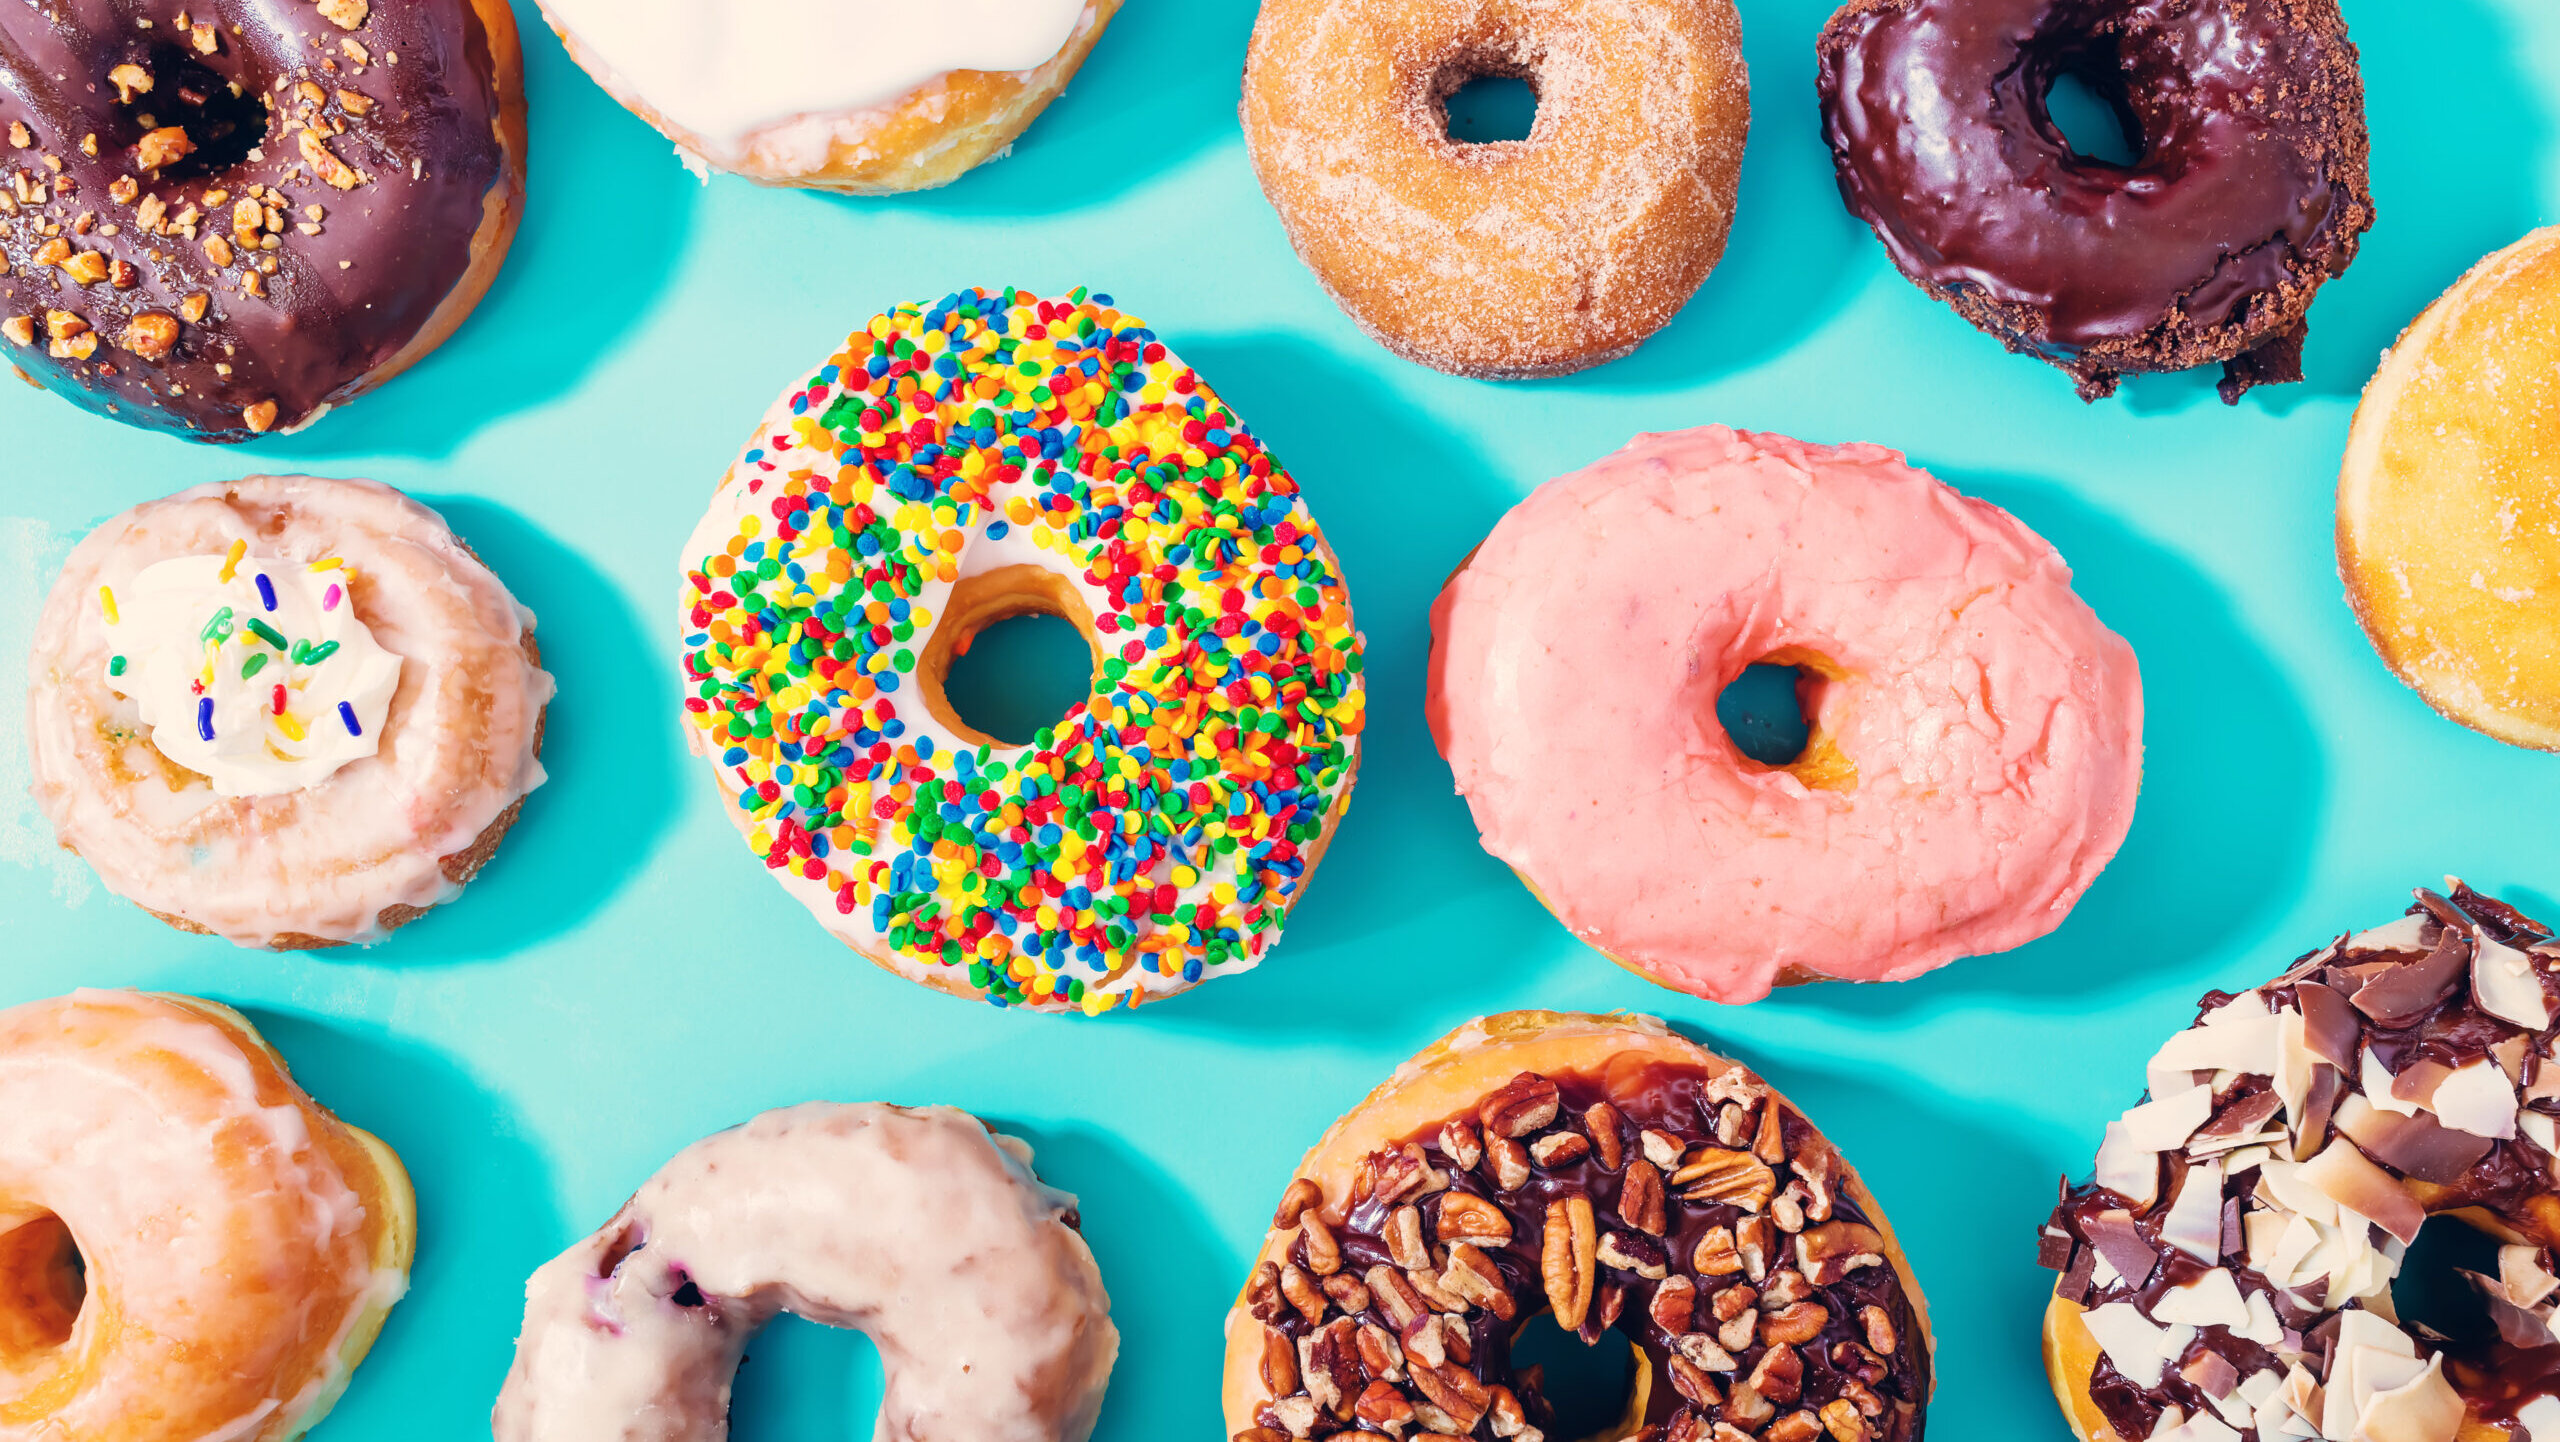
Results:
[2229, 1266]
[285, 711]
[866, 96]
[222, 224]
[985, 456]
[1976, 731]
[918, 1226]
[1514, 258]
[1604, 1170]
[2446, 527]
[189, 1245]
[2248, 191]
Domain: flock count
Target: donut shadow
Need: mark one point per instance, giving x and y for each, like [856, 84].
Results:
[1407, 848]
[1975, 1258]
[609, 749]
[607, 209]
[485, 1221]
[2232, 787]
[1795, 251]
[1161, 85]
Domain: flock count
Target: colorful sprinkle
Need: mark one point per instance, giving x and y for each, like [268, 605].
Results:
[204, 718]
[330, 598]
[329, 563]
[107, 604]
[266, 592]
[276, 702]
[347, 718]
[115, 665]
[319, 653]
[290, 725]
[1161, 825]
[256, 663]
[266, 633]
[231, 560]
[217, 630]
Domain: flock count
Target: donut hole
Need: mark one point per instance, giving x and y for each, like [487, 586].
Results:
[1485, 95]
[43, 1286]
[1771, 712]
[1591, 1385]
[1003, 663]
[2430, 1291]
[222, 122]
[2085, 106]
[805, 1381]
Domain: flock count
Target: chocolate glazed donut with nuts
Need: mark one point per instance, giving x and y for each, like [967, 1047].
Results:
[1617, 1176]
[223, 217]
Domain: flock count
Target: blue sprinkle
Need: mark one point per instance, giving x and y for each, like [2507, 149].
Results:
[266, 591]
[204, 718]
[346, 713]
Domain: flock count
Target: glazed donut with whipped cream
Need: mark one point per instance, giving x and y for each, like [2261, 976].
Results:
[919, 1226]
[988, 455]
[1613, 1174]
[1511, 258]
[866, 96]
[190, 1246]
[224, 222]
[2228, 1268]
[1976, 736]
[2447, 536]
[287, 711]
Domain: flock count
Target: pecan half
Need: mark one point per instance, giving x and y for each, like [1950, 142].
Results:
[1692, 1383]
[1568, 1259]
[1324, 1254]
[1716, 1175]
[1640, 1201]
[1301, 1195]
[1456, 1391]
[1830, 1252]
[1714, 1255]
[1779, 1375]
[1600, 1123]
[1403, 1236]
[1383, 1408]
[1559, 1149]
[1674, 1303]
[1468, 1218]
[1878, 1325]
[1519, 1107]
[1797, 1324]
[1459, 1144]
[1279, 1362]
[1472, 1275]
[1509, 1162]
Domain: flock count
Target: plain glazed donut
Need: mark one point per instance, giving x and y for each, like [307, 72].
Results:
[225, 224]
[1617, 1175]
[2448, 537]
[286, 711]
[2248, 190]
[917, 1226]
[2229, 1267]
[190, 1247]
[984, 456]
[1976, 731]
[1515, 258]
[866, 96]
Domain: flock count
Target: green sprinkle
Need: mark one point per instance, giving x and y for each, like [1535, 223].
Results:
[320, 653]
[256, 663]
[266, 633]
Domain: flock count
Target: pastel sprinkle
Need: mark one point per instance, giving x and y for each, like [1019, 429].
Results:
[329, 598]
[256, 663]
[1222, 724]
[231, 560]
[290, 725]
[218, 629]
[266, 592]
[329, 563]
[115, 665]
[204, 718]
[347, 718]
[265, 632]
[107, 604]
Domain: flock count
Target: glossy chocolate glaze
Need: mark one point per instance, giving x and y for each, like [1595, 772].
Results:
[2249, 189]
[382, 114]
[2499, 1177]
[1670, 1099]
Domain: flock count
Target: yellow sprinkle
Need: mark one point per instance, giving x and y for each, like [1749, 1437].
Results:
[291, 727]
[330, 564]
[231, 561]
[107, 603]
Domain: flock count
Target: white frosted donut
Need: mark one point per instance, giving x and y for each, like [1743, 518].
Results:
[190, 1247]
[309, 717]
[917, 1226]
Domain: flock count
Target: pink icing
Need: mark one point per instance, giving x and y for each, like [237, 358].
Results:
[1994, 722]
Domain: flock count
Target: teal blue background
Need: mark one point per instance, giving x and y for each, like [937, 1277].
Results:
[624, 978]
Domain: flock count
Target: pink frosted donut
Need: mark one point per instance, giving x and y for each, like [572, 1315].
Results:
[1976, 731]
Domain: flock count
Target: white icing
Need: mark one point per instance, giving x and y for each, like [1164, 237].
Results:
[198, 654]
[725, 71]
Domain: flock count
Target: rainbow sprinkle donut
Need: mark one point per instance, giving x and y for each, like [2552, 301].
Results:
[984, 456]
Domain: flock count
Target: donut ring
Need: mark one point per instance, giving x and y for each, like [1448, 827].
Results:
[1674, 1196]
[988, 455]
[918, 1226]
[924, 126]
[378, 840]
[189, 1245]
[2249, 191]
[2445, 516]
[1516, 258]
[2223, 1262]
[225, 236]
[1976, 731]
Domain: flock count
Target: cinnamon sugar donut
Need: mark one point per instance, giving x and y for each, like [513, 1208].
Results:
[1513, 258]
[288, 711]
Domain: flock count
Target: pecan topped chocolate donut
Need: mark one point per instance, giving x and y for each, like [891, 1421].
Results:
[1617, 1176]
[222, 217]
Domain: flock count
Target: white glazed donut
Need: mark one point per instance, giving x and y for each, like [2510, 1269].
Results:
[918, 1226]
[287, 711]
[868, 96]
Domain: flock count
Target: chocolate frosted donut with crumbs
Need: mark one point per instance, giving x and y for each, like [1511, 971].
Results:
[2247, 191]
[224, 221]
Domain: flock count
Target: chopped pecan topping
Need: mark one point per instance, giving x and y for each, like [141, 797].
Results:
[88, 267]
[1674, 1303]
[1787, 1210]
[1394, 1174]
[165, 146]
[1380, 1352]
[1279, 1362]
[1600, 1123]
[1383, 1408]
[1394, 1297]
[1660, 1148]
[1472, 1275]
[1323, 1253]
[1840, 1417]
[1521, 1106]
[1795, 1325]
[1509, 1162]
[152, 334]
[1296, 1414]
[1691, 1382]
[1746, 1408]
[1347, 1292]
[1715, 1255]
[1753, 1237]
[1832, 1251]
[1878, 1325]
[1640, 1201]
[1262, 1294]
[1301, 1195]
[192, 309]
[52, 252]
[1779, 1375]
[1505, 1413]
[1703, 1352]
[1459, 1144]
[1403, 1236]
[1559, 1149]
[1771, 1145]
[20, 329]
[345, 14]
[1633, 1252]
[355, 102]
[1302, 1292]
[1454, 1390]
[1425, 1342]
[1795, 1427]
[325, 163]
[1567, 1260]
[1467, 1218]
[1260, 1434]
[129, 80]
[1785, 1288]
[1433, 1290]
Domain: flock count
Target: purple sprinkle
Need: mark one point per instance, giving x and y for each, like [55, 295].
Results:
[204, 718]
[329, 598]
[266, 591]
[347, 714]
